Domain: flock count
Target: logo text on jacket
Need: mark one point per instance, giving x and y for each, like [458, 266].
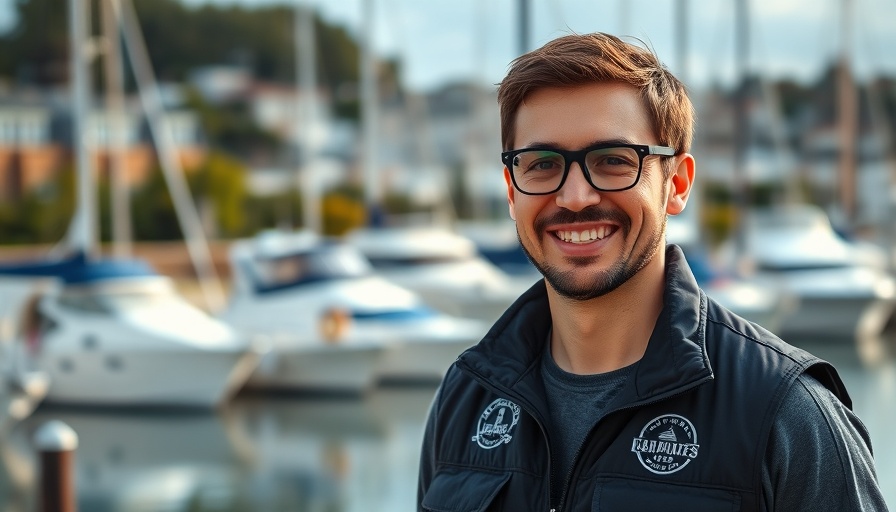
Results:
[666, 444]
[496, 423]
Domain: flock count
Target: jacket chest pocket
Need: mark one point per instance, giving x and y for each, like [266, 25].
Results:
[463, 490]
[619, 495]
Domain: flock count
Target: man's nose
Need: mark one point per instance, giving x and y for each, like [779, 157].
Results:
[576, 193]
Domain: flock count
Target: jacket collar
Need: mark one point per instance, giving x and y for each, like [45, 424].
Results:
[508, 356]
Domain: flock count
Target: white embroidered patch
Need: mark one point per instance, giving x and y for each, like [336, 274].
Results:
[496, 423]
[666, 444]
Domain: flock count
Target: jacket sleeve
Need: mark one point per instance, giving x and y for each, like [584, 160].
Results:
[819, 455]
[427, 451]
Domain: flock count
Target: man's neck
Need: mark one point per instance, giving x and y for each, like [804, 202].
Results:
[608, 332]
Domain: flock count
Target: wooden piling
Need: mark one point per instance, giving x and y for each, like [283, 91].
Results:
[57, 443]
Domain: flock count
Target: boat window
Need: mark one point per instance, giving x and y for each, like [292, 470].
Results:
[333, 262]
[338, 262]
[84, 303]
[382, 262]
[285, 269]
[798, 266]
[126, 300]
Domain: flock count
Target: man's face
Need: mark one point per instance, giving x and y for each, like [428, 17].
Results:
[585, 242]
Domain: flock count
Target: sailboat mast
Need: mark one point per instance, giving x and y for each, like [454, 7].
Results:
[306, 79]
[682, 31]
[83, 231]
[741, 121]
[847, 110]
[369, 112]
[523, 29]
[153, 108]
[115, 121]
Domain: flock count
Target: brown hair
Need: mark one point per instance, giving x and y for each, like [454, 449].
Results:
[598, 57]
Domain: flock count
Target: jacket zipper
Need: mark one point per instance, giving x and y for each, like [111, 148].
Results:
[568, 481]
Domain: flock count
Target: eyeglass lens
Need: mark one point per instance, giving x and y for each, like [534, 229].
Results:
[542, 171]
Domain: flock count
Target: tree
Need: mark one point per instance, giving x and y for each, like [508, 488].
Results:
[221, 182]
[180, 38]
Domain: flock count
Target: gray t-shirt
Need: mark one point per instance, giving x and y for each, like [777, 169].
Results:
[576, 403]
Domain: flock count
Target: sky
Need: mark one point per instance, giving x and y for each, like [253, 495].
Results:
[443, 40]
[447, 40]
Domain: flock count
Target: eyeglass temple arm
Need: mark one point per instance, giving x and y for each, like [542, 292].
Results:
[660, 150]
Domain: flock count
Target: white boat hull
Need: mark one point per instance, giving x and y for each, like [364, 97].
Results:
[838, 303]
[191, 378]
[419, 361]
[326, 368]
[847, 317]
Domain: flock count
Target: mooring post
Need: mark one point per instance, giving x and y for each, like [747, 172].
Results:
[57, 443]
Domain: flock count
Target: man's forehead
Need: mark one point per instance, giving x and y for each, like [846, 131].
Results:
[578, 116]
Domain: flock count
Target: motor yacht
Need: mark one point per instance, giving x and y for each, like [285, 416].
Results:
[333, 324]
[442, 266]
[843, 287]
[758, 299]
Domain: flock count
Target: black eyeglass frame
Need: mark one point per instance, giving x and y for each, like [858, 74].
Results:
[578, 156]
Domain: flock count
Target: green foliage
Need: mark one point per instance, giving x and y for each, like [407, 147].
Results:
[221, 180]
[230, 127]
[399, 204]
[281, 210]
[180, 38]
[41, 216]
[343, 210]
[153, 210]
[36, 50]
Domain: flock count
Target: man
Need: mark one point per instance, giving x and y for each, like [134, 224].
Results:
[616, 383]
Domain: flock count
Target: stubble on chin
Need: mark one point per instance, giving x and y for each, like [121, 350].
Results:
[573, 285]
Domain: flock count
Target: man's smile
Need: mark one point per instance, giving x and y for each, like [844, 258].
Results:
[584, 236]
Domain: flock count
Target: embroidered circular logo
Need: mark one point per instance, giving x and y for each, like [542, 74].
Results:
[496, 423]
[666, 444]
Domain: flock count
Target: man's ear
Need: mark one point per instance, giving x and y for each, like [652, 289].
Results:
[510, 192]
[680, 183]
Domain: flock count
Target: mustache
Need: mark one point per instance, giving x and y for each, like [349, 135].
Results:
[594, 213]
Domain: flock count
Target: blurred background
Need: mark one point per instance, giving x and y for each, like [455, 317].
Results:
[241, 240]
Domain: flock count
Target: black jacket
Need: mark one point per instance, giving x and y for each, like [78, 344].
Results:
[687, 432]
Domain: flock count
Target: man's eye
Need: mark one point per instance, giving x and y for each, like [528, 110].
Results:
[615, 160]
[544, 165]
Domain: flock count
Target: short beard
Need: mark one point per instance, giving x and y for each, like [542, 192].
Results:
[567, 285]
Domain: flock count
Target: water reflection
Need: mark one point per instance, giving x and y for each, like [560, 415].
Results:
[293, 453]
[259, 453]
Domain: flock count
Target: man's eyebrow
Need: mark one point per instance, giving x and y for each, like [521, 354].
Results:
[596, 142]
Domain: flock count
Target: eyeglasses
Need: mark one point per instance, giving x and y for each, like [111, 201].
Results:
[607, 167]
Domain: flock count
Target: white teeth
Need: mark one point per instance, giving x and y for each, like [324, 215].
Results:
[581, 237]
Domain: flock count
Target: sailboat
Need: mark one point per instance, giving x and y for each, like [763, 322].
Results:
[113, 332]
